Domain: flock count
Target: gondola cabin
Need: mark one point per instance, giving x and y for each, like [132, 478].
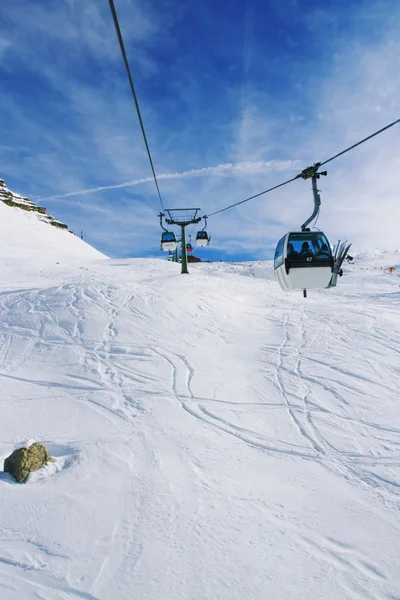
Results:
[303, 260]
[168, 241]
[189, 248]
[202, 238]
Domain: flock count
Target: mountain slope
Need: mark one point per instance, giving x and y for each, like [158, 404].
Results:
[16, 200]
[215, 437]
[23, 235]
[28, 247]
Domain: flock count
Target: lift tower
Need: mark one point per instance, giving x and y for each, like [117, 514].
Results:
[183, 217]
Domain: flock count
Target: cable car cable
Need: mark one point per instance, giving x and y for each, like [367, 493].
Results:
[361, 142]
[251, 197]
[306, 173]
[128, 71]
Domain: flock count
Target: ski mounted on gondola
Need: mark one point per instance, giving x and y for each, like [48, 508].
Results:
[340, 253]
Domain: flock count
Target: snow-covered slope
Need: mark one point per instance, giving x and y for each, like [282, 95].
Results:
[16, 200]
[24, 236]
[215, 437]
[28, 246]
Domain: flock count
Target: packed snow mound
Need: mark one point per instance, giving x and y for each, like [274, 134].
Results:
[23, 236]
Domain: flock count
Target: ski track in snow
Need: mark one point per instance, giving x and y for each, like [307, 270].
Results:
[216, 438]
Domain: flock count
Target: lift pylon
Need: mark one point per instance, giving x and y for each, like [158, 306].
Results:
[183, 217]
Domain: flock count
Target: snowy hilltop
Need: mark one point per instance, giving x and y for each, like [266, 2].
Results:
[213, 436]
[12, 199]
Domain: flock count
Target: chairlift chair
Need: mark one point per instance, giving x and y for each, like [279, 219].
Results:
[168, 241]
[304, 259]
[189, 247]
[202, 238]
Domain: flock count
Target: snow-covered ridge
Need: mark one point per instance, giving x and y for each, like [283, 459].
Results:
[12, 199]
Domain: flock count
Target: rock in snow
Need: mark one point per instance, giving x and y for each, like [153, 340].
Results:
[24, 461]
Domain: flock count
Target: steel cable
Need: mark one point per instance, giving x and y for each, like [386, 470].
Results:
[128, 71]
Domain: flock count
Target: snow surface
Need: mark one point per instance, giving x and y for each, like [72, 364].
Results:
[215, 437]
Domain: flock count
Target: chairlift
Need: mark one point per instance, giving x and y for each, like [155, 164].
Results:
[304, 259]
[202, 237]
[168, 241]
[189, 247]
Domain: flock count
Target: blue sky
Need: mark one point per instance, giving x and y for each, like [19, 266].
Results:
[236, 97]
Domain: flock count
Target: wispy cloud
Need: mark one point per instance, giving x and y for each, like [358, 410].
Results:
[224, 170]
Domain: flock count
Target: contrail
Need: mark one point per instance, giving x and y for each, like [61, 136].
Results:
[241, 168]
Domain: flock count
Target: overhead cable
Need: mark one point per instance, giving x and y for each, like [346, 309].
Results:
[361, 142]
[251, 197]
[306, 173]
[128, 71]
